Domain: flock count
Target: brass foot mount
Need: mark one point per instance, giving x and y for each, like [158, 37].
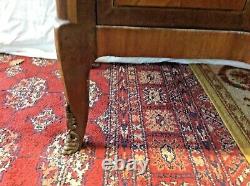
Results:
[73, 143]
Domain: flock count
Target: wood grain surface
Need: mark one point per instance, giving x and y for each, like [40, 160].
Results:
[174, 43]
[165, 17]
[204, 4]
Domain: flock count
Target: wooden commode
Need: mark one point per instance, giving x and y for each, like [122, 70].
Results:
[215, 29]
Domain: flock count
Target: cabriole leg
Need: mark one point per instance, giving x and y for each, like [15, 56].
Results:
[76, 50]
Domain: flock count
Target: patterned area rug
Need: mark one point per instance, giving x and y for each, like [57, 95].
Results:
[155, 113]
[229, 89]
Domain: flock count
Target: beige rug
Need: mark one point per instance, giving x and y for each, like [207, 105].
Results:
[229, 90]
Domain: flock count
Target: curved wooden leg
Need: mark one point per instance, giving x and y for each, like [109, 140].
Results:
[76, 52]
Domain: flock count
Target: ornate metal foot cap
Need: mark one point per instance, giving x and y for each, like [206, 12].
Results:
[73, 143]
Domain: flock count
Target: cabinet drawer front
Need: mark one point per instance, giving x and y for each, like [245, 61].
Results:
[201, 4]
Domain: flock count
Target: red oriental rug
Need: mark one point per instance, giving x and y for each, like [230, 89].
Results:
[158, 113]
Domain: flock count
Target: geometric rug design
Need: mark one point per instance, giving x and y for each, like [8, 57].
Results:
[157, 113]
[229, 90]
